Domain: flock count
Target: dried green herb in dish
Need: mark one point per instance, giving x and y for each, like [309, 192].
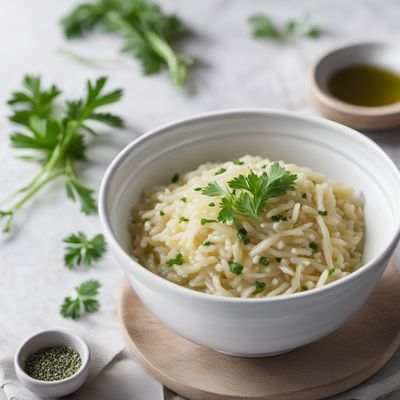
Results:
[53, 363]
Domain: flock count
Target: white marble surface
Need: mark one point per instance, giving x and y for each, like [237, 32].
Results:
[234, 70]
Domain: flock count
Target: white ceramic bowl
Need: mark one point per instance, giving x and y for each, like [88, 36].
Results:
[266, 326]
[45, 339]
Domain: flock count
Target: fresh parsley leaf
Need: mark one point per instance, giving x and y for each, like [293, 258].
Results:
[220, 171]
[279, 217]
[198, 189]
[236, 161]
[175, 178]
[208, 243]
[183, 219]
[278, 259]
[235, 267]
[302, 28]
[323, 213]
[213, 189]
[313, 246]
[304, 195]
[148, 33]
[212, 204]
[58, 135]
[178, 260]
[247, 196]
[84, 302]
[263, 26]
[162, 213]
[260, 286]
[204, 221]
[331, 271]
[243, 234]
[81, 250]
[264, 261]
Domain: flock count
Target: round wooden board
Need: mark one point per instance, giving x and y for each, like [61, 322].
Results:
[329, 366]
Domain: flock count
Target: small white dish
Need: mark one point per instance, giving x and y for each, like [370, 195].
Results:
[51, 338]
[384, 55]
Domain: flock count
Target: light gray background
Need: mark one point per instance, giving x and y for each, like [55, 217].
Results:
[233, 70]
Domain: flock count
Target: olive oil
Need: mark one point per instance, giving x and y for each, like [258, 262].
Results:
[365, 85]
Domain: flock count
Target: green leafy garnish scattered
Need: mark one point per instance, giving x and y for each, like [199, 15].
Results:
[198, 189]
[243, 234]
[183, 199]
[264, 27]
[204, 221]
[323, 213]
[247, 196]
[148, 32]
[331, 271]
[84, 302]
[81, 250]
[313, 246]
[220, 171]
[264, 261]
[175, 178]
[304, 195]
[279, 217]
[183, 219]
[260, 286]
[211, 204]
[236, 161]
[235, 267]
[57, 134]
[178, 260]
[162, 213]
[208, 243]
[278, 259]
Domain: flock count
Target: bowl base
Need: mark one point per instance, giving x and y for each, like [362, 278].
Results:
[318, 370]
[262, 355]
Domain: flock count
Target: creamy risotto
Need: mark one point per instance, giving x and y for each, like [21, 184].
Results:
[249, 228]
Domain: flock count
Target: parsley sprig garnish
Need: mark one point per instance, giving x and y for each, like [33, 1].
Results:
[58, 137]
[84, 302]
[82, 250]
[264, 27]
[247, 196]
[149, 34]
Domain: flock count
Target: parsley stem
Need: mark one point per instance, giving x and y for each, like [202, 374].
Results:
[34, 189]
[176, 65]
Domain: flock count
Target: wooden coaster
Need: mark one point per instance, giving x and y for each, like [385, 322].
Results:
[329, 366]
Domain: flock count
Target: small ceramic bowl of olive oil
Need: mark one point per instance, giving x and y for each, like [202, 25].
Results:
[359, 85]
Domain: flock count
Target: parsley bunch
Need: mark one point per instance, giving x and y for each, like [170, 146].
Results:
[247, 196]
[147, 31]
[84, 301]
[264, 27]
[57, 135]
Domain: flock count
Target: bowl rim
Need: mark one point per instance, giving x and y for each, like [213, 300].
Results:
[215, 115]
[339, 105]
[49, 332]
